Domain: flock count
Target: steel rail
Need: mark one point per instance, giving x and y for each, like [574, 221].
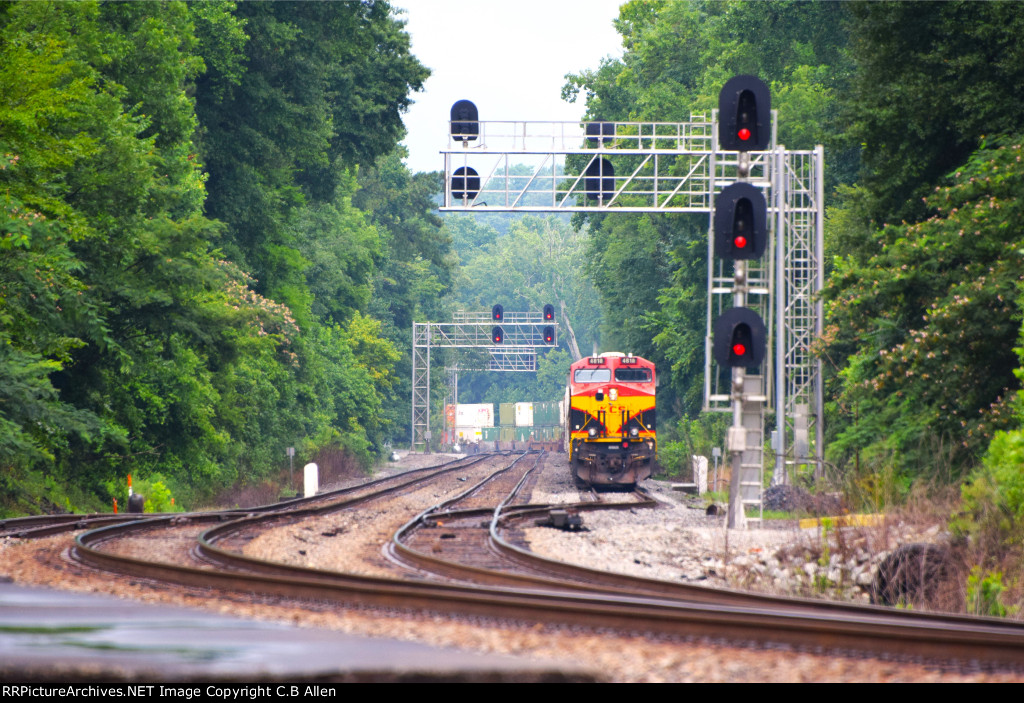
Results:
[951, 640]
[984, 643]
[35, 526]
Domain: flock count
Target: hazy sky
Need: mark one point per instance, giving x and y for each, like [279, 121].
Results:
[509, 57]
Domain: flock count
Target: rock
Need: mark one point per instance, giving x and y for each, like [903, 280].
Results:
[910, 574]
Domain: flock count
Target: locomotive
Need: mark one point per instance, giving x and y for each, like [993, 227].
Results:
[610, 419]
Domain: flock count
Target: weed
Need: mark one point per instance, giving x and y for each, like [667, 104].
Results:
[983, 591]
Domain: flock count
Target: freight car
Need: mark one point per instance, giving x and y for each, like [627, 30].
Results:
[610, 419]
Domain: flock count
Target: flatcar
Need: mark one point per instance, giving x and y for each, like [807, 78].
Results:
[610, 419]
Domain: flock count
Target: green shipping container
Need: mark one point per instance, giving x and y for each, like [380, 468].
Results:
[506, 434]
[545, 414]
[524, 434]
[490, 434]
[507, 415]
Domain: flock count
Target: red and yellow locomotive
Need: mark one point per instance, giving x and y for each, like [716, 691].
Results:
[610, 419]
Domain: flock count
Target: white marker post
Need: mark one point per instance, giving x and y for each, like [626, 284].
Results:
[311, 480]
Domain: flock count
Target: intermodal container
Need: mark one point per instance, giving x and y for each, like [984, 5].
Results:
[507, 414]
[474, 415]
[469, 434]
[545, 414]
[524, 414]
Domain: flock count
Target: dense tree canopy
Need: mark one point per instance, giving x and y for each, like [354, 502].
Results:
[928, 324]
[923, 317]
[931, 80]
[186, 286]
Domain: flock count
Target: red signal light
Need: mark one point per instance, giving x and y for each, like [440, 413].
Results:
[739, 349]
[743, 134]
[740, 242]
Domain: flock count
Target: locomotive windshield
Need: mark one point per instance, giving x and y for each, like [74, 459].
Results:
[592, 376]
[632, 375]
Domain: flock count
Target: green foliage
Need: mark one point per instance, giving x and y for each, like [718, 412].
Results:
[997, 488]
[696, 437]
[157, 494]
[991, 514]
[132, 336]
[153, 487]
[983, 591]
[930, 83]
[931, 320]
[674, 458]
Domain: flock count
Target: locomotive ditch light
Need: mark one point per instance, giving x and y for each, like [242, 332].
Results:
[497, 312]
[549, 312]
[465, 121]
[497, 335]
[739, 338]
[744, 114]
[465, 183]
[741, 222]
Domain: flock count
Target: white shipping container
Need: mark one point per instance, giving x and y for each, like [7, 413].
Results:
[561, 413]
[524, 414]
[474, 415]
[469, 434]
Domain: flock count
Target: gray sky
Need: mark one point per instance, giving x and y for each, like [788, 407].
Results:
[509, 57]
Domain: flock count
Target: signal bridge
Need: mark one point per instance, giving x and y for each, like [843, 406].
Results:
[661, 167]
[509, 340]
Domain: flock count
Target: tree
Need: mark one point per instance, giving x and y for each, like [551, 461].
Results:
[928, 323]
[931, 80]
[128, 341]
[323, 91]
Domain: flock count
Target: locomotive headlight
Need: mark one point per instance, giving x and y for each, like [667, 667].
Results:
[634, 432]
[613, 394]
[592, 432]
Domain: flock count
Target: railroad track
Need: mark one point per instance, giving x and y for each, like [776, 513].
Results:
[493, 578]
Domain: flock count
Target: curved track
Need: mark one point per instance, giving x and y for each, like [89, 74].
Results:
[480, 572]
